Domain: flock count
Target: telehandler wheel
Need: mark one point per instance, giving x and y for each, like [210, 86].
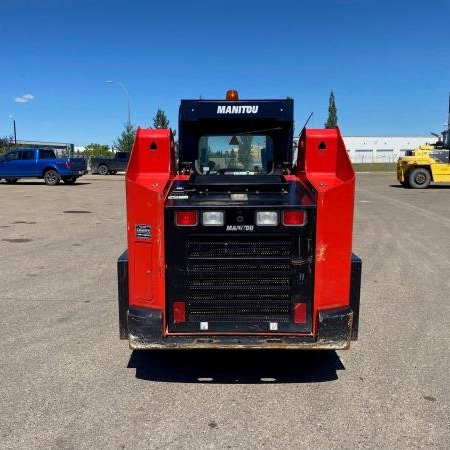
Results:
[419, 178]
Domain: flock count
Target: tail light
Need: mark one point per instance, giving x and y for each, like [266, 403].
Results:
[68, 164]
[300, 313]
[294, 218]
[179, 312]
[186, 218]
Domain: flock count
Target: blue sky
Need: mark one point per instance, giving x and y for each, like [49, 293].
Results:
[388, 62]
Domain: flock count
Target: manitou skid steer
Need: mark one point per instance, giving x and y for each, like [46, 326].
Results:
[241, 243]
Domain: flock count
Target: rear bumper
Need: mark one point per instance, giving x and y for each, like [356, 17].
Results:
[144, 327]
[73, 173]
[145, 332]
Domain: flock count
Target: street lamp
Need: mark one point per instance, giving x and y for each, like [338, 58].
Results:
[128, 98]
[15, 133]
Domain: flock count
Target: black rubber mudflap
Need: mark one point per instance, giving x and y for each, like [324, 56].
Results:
[122, 282]
[355, 291]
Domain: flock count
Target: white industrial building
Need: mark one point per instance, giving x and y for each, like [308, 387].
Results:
[379, 149]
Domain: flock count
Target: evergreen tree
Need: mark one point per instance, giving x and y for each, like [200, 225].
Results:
[125, 142]
[245, 151]
[160, 120]
[332, 113]
[231, 163]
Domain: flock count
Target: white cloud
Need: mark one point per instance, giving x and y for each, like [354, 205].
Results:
[24, 98]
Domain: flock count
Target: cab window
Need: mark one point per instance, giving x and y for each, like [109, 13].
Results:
[234, 154]
[27, 155]
[12, 156]
[46, 154]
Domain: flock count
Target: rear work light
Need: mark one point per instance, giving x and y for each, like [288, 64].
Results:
[266, 218]
[213, 218]
[294, 218]
[186, 218]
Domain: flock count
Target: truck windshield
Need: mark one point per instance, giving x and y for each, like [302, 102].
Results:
[235, 154]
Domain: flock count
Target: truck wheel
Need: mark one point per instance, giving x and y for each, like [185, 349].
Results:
[102, 169]
[69, 180]
[11, 180]
[51, 177]
[419, 178]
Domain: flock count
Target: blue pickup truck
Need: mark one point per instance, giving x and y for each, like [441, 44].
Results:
[40, 163]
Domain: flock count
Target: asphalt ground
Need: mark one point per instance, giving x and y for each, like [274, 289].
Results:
[67, 381]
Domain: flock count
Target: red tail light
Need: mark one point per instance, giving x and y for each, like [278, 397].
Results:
[294, 218]
[68, 164]
[300, 313]
[186, 218]
[179, 312]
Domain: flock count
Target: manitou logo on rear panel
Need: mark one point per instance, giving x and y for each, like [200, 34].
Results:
[237, 109]
[240, 227]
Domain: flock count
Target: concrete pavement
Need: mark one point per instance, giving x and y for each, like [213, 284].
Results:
[67, 381]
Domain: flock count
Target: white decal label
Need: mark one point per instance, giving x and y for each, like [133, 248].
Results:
[237, 109]
[240, 227]
[143, 231]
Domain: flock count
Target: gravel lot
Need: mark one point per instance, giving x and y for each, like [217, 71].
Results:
[67, 381]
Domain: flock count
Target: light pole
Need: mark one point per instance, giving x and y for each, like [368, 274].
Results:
[128, 98]
[15, 133]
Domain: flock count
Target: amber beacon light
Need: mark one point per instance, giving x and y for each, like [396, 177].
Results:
[232, 95]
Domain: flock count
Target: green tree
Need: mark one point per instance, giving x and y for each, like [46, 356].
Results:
[332, 113]
[94, 150]
[5, 143]
[245, 151]
[160, 120]
[231, 163]
[125, 141]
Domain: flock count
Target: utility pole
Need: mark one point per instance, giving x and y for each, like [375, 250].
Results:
[127, 97]
[15, 132]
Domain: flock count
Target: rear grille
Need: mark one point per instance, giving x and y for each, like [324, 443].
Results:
[239, 280]
[239, 248]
